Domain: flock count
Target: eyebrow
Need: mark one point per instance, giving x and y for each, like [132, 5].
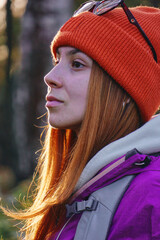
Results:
[71, 52]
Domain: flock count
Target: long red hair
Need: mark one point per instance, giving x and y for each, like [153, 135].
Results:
[110, 115]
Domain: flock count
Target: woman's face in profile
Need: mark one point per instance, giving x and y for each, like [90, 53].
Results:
[67, 88]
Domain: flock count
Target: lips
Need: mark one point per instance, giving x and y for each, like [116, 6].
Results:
[52, 101]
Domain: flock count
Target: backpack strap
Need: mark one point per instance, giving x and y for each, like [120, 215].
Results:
[96, 219]
[78, 207]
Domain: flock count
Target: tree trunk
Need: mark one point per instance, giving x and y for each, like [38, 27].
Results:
[40, 23]
[6, 139]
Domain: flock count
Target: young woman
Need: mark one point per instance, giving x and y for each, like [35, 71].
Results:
[102, 93]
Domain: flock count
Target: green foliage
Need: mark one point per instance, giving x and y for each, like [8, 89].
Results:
[7, 231]
[8, 227]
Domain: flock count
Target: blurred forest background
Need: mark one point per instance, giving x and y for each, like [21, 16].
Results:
[26, 30]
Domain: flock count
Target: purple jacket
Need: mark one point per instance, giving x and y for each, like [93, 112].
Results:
[138, 214]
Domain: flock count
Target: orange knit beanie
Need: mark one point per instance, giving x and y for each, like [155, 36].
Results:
[119, 48]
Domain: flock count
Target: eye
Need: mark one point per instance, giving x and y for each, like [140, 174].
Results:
[77, 64]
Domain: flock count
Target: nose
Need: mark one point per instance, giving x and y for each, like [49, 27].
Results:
[52, 79]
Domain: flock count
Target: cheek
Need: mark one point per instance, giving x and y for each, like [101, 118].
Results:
[77, 108]
[79, 90]
[79, 99]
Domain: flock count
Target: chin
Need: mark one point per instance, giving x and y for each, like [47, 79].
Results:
[55, 125]
[73, 126]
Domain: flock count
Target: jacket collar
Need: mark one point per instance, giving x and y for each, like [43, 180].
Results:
[145, 139]
[130, 164]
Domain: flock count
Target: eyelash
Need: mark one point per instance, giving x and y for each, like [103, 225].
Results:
[55, 62]
[73, 63]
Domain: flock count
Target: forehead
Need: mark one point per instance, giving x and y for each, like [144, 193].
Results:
[68, 51]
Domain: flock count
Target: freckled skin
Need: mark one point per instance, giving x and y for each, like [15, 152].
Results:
[68, 82]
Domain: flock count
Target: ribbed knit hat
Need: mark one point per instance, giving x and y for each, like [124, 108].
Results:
[120, 49]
